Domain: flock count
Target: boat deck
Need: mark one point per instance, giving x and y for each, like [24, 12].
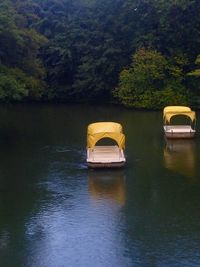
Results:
[179, 131]
[105, 156]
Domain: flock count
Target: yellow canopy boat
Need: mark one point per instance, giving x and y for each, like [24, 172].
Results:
[179, 131]
[109, 155]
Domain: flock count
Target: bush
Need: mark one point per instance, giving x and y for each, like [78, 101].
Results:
[11, 89]
[151, 82]
[15, 85]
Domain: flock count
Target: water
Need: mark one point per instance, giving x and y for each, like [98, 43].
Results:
[54, 212]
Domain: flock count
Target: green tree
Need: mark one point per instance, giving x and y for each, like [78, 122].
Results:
[193, 83]
[80, 47]
[10, 89]
[151, 82]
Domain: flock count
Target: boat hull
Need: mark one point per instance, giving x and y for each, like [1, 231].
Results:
[179, 135]
[179, 132]
[100, 165]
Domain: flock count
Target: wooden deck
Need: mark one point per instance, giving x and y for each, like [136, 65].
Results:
[105, 156]
[179, 131]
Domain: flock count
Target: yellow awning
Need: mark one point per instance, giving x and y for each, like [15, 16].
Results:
[100, 130]
[175, 109]
[172, 111]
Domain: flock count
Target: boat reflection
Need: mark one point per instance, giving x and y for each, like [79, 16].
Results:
[108, 184]
[179, 156]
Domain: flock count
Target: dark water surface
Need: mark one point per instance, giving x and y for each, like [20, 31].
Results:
[54, 212]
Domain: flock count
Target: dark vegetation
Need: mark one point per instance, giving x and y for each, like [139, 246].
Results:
[141, 53]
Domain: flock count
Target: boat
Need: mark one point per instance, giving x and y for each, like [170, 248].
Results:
[173, 131]
[105, 156]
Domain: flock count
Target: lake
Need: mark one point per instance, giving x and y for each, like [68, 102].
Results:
[54, 212]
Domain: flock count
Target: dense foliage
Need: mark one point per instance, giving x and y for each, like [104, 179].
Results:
[141, 53]
[151, 81]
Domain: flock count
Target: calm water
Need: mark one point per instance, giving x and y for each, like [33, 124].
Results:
[54, 212]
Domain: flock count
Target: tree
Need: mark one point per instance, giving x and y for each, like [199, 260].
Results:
[79, 47]
[151, 82]
[21, 70]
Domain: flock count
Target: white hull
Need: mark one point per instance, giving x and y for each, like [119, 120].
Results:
[179, 131]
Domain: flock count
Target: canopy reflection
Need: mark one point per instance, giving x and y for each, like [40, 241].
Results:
[104, 184]
[179, 156]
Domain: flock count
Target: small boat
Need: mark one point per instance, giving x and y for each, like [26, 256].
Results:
[179, 131]
[105, 156]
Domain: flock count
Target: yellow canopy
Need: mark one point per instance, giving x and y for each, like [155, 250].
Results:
[172, 111]
[100, 130]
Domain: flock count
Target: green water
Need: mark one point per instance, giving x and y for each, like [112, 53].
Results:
[54, 212]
